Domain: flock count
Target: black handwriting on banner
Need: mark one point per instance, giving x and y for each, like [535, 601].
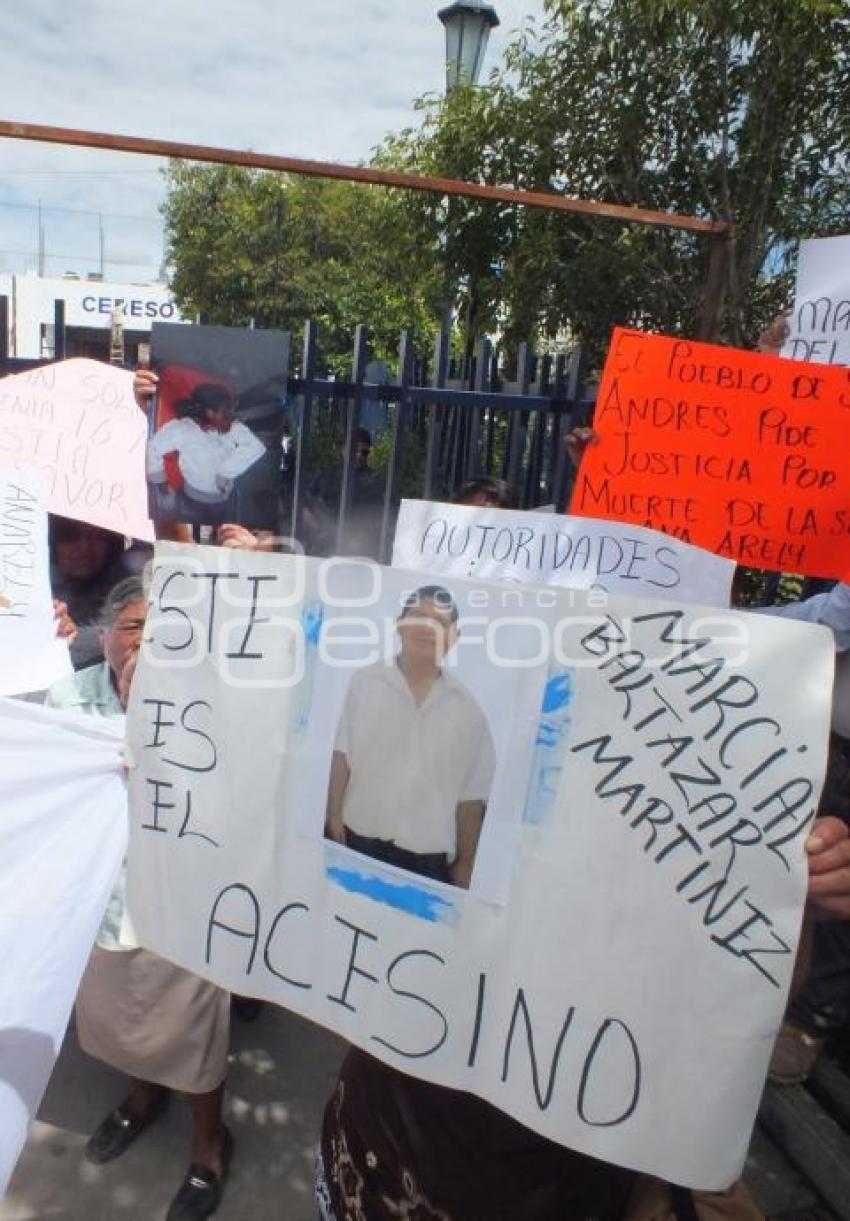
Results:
[548, 549]
[738, 787]
[69, 441]
[824, 317]
[17, 551]
[557, 1059]
[176, 629]
[180, 737]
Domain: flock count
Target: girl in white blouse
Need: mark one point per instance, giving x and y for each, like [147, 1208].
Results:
[194, 459]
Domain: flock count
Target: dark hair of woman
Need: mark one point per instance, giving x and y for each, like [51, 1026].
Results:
[206, 396]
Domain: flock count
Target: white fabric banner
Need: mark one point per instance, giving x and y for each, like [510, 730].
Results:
[537, 548]
[31, 658]
[616, 972]
[63, 832]
[820, 323]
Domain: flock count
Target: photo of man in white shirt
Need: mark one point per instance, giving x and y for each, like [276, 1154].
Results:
[413, 757]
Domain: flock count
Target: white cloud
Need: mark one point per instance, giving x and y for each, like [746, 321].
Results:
[325, 79]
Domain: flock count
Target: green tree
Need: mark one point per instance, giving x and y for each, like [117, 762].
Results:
[245, 244]
[727, 109]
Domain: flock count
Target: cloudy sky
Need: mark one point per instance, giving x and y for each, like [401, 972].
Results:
[307, 78]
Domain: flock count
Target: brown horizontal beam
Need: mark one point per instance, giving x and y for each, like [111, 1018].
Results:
[359, 173]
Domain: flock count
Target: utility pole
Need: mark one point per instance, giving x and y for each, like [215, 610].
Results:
[41, 258]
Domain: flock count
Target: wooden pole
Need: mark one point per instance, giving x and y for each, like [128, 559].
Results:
[547, 201]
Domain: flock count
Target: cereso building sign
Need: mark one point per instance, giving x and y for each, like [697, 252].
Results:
[141, 307]
[87, 304]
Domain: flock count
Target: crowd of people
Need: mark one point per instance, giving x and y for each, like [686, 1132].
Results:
[391, 1145]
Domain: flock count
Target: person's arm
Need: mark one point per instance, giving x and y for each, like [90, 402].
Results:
[773, 337]
[576, 442]
[470, 817]
[165, 440]
[144, 387]
[241, 538]
[338, 783]
[832, 609]
[245, 450]
[66, 628]
[471, 808]
[828, 852]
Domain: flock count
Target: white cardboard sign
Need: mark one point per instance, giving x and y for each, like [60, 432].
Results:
[31, 657]
[820, 323]
[556, 549]
[657, 770]
[77, 421]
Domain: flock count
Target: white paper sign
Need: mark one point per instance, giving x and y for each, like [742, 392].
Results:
[63, 833]
[668, 776]
[77, 421]
[820, 324]
[31, 658]
[556, 549]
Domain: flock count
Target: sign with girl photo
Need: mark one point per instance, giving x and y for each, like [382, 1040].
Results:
[213, 451]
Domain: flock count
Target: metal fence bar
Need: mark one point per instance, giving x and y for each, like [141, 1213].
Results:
[303, 423]
[516, 432]
[556, 428]
[399, 412]
[493, 375]
[482, 366]
[435, 421]
[563, 482]
[352, 423]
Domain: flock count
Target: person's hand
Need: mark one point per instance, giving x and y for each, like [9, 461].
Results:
[144, 387]
[125, 678]
[772, 338]
[66, 628]
[240, 538]
[576, 442]
[335, 830]
[828, 850]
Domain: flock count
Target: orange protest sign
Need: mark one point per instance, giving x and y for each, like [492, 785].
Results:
[744, 454]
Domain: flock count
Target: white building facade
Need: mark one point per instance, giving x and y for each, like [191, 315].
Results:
[89, 307]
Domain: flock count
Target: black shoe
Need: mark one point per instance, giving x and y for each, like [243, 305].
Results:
[117, 1132]
[202, 1189]
[245, 1008]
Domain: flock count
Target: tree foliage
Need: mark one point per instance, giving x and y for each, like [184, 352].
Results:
[727, 109]
[246, 245]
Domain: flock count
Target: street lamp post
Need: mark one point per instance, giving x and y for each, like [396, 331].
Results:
[468, 24]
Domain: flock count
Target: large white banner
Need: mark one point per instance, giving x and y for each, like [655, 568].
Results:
[650, 772]
[536, 548]
[820, 323]
[63, 832]
[31, 657]
[78, 423]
